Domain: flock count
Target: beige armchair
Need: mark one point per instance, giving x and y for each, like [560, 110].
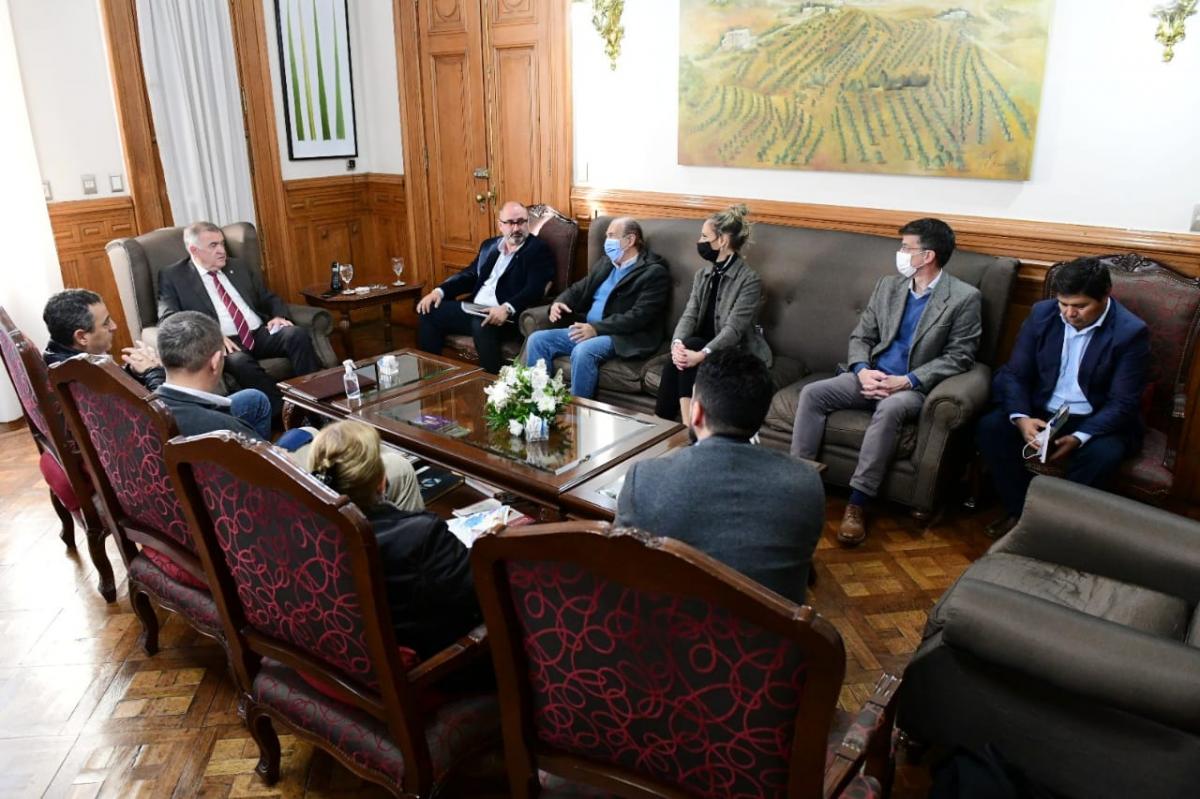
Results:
[136, 262]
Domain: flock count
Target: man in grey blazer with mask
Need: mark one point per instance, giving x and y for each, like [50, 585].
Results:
[920, 327]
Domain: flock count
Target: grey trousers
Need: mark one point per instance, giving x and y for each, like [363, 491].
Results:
[819, 399]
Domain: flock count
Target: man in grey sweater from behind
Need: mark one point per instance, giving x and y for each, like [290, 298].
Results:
[758, 510]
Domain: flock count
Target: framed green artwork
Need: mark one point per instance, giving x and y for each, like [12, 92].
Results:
[911, 87]
[314, 64]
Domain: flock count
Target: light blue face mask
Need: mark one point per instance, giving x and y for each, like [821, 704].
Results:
[612, 248]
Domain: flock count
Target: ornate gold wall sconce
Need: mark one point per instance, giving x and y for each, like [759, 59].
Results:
[606, 19]
[1170, 24]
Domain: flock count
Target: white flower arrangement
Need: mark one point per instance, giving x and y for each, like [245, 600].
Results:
[525, 399]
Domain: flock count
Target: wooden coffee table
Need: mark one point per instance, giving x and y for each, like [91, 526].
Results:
[343, 304]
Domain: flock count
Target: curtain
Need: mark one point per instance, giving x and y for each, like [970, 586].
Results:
[30, 266]
[195, 100]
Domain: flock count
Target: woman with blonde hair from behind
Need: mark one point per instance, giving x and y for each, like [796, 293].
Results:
[721, 311]
[430, 591]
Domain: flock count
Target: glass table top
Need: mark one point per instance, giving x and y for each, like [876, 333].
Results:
[412, 370]
[457, 411]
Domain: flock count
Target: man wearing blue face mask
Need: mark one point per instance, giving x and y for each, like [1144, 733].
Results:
[920, 327]
[615, 312]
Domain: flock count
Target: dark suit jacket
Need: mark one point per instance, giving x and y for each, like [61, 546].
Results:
[181, 289]
[1112, 374]
[946, 338]
[427, 573]
[194, 416]
[523, 282]
[151, 378]
[633, 314]
[756, 509]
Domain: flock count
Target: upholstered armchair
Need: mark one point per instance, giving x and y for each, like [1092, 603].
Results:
[297, 576]
[121, 428]
[560, 234]
[71, 492]
[1170, 304]
[136, 262]
[642, 667]
[1073, 647]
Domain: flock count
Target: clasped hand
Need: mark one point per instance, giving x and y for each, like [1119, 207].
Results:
[683, 358]
[1063, 445]
[876, 385]
[140, 357]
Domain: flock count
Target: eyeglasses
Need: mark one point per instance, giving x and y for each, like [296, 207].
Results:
[906, 248]
[514, 222]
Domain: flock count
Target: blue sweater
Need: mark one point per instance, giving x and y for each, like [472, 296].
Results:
[894, 359]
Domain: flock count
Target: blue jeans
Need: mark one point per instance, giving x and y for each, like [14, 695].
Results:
[252, 407]
[586, 357]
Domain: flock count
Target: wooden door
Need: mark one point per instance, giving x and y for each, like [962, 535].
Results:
[452, 95]
[523, 50]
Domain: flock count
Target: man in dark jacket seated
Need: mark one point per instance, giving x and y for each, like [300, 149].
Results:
[253, 318]
[1082, 349]
[189, 344]
[756, 509]
[618, 310]
[510, 272]
[78, 321]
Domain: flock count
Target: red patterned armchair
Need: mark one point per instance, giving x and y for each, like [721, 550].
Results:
[121, 428]
[298, 581]
[71, 492]
[640, 666]
[1170, 304]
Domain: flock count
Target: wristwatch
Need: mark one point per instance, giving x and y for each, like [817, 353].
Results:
[706, 351]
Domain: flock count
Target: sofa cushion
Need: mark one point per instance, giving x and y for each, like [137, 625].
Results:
[1194, 631]
[782, 414]
[617, 374]
[1129, 605]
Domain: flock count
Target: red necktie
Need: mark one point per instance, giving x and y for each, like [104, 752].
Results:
[239, 321]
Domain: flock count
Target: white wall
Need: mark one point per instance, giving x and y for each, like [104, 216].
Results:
[376, 96]
[1117, 139]
[64, 69]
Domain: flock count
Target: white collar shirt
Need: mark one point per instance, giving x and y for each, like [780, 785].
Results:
[228, 328]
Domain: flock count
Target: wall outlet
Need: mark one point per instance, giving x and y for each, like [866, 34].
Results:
[116, 183]
[350, 164]
[89, 184]
[46, 190]
[1196, 219]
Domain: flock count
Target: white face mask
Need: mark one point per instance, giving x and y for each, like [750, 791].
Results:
[904, 264]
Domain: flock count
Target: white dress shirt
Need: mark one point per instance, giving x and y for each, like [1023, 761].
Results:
[215, 399]
[486, 295]
[228, 328]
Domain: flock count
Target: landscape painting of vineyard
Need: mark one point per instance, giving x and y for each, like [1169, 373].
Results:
[895, 86]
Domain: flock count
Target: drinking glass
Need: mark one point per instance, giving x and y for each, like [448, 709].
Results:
[398, 269]
[347, 273]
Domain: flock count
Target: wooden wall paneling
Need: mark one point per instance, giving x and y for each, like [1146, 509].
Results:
[250, 31]
[412, 127]
[325, 218]
[81, 229]
[1036, 244]
[143, 167]
[386, 227]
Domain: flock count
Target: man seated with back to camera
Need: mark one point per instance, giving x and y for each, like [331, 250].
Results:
[755, 509]
[1082, 349]
[78, 321]
[193, 354]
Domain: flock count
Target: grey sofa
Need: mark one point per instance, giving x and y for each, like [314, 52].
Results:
[816, 283]
[135, 263]
[1072, 646]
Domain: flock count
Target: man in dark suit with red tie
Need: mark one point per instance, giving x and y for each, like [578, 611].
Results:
[253, 319]
[510, 272]
[1082, 349]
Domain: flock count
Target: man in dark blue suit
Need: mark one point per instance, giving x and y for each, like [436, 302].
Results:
[1082, 349]
[509, 273]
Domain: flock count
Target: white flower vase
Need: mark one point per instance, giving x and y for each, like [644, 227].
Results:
[536, 428]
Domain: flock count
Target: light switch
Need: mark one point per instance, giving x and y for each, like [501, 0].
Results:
[89, 184]
[350, 164]
[116, 183]
[46, 190]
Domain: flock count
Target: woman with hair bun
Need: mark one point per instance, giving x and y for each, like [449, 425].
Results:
[721, 311]
[426, 570]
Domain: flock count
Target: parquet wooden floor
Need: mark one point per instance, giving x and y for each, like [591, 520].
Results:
[85, 713]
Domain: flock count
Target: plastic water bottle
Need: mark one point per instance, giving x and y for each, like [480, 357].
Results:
[350, 381]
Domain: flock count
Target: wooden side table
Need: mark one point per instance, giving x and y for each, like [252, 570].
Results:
[342, 304]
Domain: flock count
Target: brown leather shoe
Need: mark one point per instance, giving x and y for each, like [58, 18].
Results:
[1000, 527]
[854, 527]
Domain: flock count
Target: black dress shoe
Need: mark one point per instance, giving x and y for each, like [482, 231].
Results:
[1000, 527]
